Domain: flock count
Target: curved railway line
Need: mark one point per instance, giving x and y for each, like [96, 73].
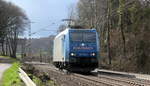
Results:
[99, 80]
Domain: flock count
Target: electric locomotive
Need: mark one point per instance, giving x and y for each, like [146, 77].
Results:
[76, 50]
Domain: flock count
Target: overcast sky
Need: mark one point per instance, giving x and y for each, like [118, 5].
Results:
[44, 13]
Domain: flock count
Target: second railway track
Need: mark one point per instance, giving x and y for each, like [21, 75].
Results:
[114, 81]
[98, 81]
[129, 81]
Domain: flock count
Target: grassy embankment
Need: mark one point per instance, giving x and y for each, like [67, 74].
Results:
[8, 58]
[11, 76]
[4, 57]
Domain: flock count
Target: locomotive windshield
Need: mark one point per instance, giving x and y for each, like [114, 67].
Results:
[83, 37]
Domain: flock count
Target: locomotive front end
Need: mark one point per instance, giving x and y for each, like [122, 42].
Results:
[84, 49]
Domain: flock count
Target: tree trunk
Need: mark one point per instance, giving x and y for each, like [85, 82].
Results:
[3, 50]
[123, 39]
[6, 47]
[108, 32]
[120, 24]
[14, 44]
[9, 47]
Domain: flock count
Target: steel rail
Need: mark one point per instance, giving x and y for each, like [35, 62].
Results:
[123, 80]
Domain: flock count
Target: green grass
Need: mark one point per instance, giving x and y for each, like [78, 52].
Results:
[7, 57]
[4, 56]
[11, 76]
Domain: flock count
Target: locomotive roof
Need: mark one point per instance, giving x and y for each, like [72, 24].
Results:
[67, 29]
[62, 33]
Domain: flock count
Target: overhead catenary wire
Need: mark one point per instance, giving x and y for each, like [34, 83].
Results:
[45, 28]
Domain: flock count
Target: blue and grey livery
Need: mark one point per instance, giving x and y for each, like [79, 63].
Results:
[76, 50]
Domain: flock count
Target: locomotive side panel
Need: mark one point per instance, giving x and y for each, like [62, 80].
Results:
[60, 47]
[58, 55]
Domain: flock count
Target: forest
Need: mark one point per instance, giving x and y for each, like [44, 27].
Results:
[123, 27]
[124, 31]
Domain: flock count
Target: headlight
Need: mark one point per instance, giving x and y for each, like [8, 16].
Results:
[72, 54]
[93, 54]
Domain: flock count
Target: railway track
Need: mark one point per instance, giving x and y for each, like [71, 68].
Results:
[100, 80]
[89, 79]
[134, 81]
[124, 81]
[111, 80]
[129, 80]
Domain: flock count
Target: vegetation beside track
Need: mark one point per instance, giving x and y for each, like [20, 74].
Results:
[39, 82]
[7, 59]
[39, 78]
[4, 57]
[11, 76]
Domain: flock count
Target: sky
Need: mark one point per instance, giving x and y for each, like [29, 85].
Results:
[45, 14]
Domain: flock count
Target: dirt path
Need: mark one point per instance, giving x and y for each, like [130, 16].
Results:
[3, 67]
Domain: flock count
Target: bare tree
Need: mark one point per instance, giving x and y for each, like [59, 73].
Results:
[12, 23]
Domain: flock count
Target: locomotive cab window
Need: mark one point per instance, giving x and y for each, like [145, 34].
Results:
[83, 37]
[89, 37]
[76, 36]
